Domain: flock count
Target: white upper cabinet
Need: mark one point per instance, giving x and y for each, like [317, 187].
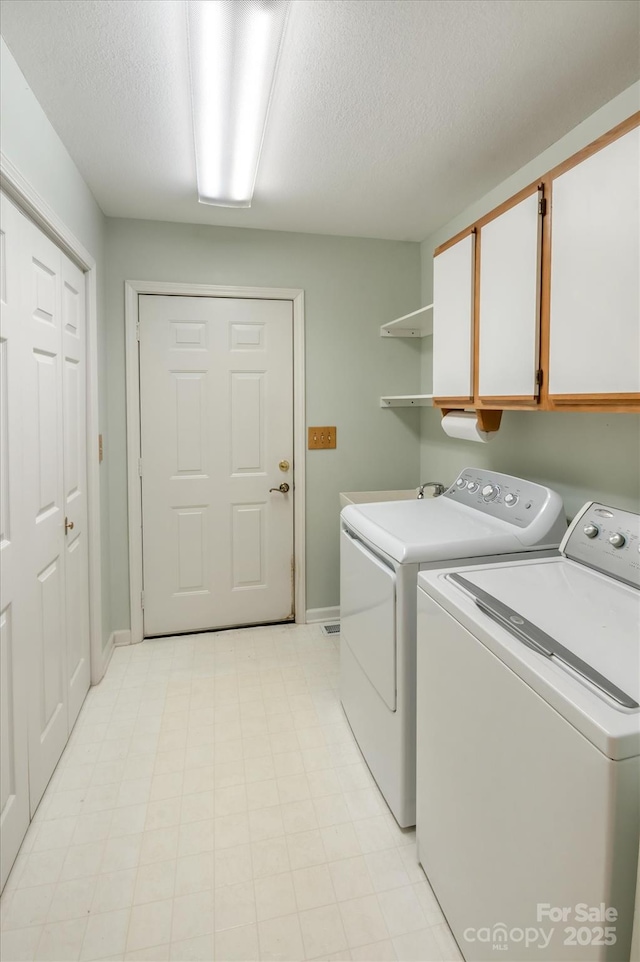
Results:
[595, 288]
[509, 326]
[453, 291]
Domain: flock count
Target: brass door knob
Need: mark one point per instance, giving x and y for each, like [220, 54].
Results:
[284, 465]
[68, 525]
[282, 488]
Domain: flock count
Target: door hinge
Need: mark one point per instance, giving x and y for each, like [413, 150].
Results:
[137, 330]
[542, 206]
[539, 377]
[140, 467]
[142, 599]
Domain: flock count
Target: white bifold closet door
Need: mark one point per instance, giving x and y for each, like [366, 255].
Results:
[14, 608]
[44, 554]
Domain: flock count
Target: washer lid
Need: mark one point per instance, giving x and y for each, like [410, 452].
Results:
[589, 614]
[437, 529]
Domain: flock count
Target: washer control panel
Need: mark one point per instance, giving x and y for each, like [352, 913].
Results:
[607, 539]
[500, 495]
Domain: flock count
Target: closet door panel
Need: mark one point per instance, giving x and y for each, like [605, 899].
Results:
[75, 487]
[14, 608]
[44, 504]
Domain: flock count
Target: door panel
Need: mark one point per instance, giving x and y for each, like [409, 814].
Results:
[74, 342]
[510, 301]
[216, 410]
[453, 287]
[247, 423]
[44, 625]
[248, 544]
[15, 610]
[44, 498]
[595, 251]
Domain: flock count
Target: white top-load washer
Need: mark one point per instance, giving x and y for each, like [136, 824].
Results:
[483, 516]
[528, 740]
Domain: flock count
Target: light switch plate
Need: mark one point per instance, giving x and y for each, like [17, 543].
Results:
[322, 437]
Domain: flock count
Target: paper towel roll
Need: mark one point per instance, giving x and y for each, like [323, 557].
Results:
[464, 425]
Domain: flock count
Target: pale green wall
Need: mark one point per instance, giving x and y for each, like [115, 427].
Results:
[584, 456]
[30, 142]
[351, 286]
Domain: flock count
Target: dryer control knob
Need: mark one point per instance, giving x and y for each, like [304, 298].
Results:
[461, 483]
[490, 492]
[617, 540]
[591, 530]
[511, 499]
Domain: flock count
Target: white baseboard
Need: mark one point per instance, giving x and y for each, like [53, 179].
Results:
[107, 654]
[100, 663]
[122, 637]
[323, 614]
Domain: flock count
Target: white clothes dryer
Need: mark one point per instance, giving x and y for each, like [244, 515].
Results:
[529, 746]
[482, 517]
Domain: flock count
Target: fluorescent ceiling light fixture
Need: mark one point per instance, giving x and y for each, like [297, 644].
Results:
[234, 46]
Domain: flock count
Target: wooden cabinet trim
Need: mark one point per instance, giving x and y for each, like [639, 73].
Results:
[453, 402]
[519, 399]
[476, 315]
[614, 134]
[544, 180]
[454, 240]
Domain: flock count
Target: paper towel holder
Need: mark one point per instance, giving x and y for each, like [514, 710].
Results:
[487, 420]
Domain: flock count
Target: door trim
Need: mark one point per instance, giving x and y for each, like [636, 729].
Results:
[19, 190]
[134, 484]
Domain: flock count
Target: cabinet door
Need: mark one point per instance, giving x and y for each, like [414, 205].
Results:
[595, 303]
[510, 247]
[453, 287]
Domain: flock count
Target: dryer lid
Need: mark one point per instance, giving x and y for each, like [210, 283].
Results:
[482, 513]
[431, 530]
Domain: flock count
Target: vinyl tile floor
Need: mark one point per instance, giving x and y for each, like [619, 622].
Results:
[212, 804]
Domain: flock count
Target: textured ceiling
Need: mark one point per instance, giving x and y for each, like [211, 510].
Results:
[389, 116]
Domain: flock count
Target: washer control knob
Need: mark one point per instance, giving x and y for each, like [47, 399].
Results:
[617, 540]
[591, 530]
[511, 499]
[490, 492]
[473, 486]
[461, 483]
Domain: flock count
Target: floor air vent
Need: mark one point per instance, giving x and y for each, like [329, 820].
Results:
[331, 629]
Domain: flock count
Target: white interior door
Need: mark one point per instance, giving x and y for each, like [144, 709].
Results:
[510, 263]
[14, 608]
[453, 287]
[76, 566]
[216, 410]
[42, 438]
[44, 576]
